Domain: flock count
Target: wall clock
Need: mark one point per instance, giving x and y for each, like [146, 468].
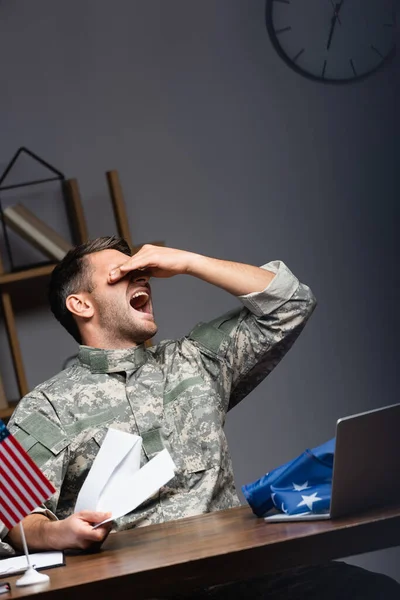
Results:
[332, 41]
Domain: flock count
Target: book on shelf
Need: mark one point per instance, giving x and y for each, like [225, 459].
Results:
[36, 232]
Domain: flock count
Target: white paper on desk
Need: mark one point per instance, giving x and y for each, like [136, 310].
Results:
[116, 483]
[39, 560]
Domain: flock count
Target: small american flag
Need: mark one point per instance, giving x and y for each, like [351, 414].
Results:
[22, 485]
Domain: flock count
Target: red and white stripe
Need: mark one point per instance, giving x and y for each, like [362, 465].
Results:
[22, 485]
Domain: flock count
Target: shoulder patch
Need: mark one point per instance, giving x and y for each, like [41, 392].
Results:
[26, 440]
[208, 336]
[215, 335]
[44, 431]
[40, 454]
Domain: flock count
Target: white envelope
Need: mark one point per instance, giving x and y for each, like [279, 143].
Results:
[116, 483]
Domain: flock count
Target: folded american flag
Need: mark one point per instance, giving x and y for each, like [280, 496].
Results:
[22, 485]
[302, 485]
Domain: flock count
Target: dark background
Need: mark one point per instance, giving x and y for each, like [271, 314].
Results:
[222, 150]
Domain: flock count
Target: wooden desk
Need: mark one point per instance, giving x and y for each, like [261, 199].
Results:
[220, 547]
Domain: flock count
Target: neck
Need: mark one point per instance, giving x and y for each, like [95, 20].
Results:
[98, 339]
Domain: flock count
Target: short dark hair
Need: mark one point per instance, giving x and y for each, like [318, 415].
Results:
[73, 275]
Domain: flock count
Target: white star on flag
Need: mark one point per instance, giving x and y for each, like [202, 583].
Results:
[309, 500]
[298, 488]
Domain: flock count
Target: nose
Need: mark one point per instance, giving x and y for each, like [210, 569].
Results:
[139, 276]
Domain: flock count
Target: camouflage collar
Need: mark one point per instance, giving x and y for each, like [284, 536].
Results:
[112, 361]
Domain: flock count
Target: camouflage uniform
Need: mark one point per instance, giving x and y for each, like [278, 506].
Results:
[174, 395]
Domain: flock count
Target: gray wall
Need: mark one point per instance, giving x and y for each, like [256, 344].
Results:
[222, 150]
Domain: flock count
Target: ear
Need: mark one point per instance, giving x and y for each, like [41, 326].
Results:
[80, 305]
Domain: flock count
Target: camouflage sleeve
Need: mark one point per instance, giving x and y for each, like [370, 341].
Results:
[253, 340]
[36, 426]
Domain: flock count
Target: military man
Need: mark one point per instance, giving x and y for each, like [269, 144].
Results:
[175, 395]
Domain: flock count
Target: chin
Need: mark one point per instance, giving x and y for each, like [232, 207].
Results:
[145, 336]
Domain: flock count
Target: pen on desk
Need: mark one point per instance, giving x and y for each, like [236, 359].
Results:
[4, 587]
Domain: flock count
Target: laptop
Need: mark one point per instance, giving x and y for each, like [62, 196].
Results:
[366, 465]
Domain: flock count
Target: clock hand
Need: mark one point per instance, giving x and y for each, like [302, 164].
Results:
[337, 14]
[333, 23]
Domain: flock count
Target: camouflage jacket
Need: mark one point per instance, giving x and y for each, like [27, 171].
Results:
[175, 395]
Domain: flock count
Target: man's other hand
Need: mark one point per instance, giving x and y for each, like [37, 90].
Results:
[76, 531]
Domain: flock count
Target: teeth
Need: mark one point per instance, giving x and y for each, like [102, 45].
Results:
[139, 299]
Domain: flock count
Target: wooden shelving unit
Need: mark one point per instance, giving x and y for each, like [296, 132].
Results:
[26, 274]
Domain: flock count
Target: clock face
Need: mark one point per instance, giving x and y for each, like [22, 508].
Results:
[332, 41]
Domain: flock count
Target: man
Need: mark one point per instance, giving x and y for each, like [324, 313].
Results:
[175, 395]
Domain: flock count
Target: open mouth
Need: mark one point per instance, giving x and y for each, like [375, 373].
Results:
[140, 301]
